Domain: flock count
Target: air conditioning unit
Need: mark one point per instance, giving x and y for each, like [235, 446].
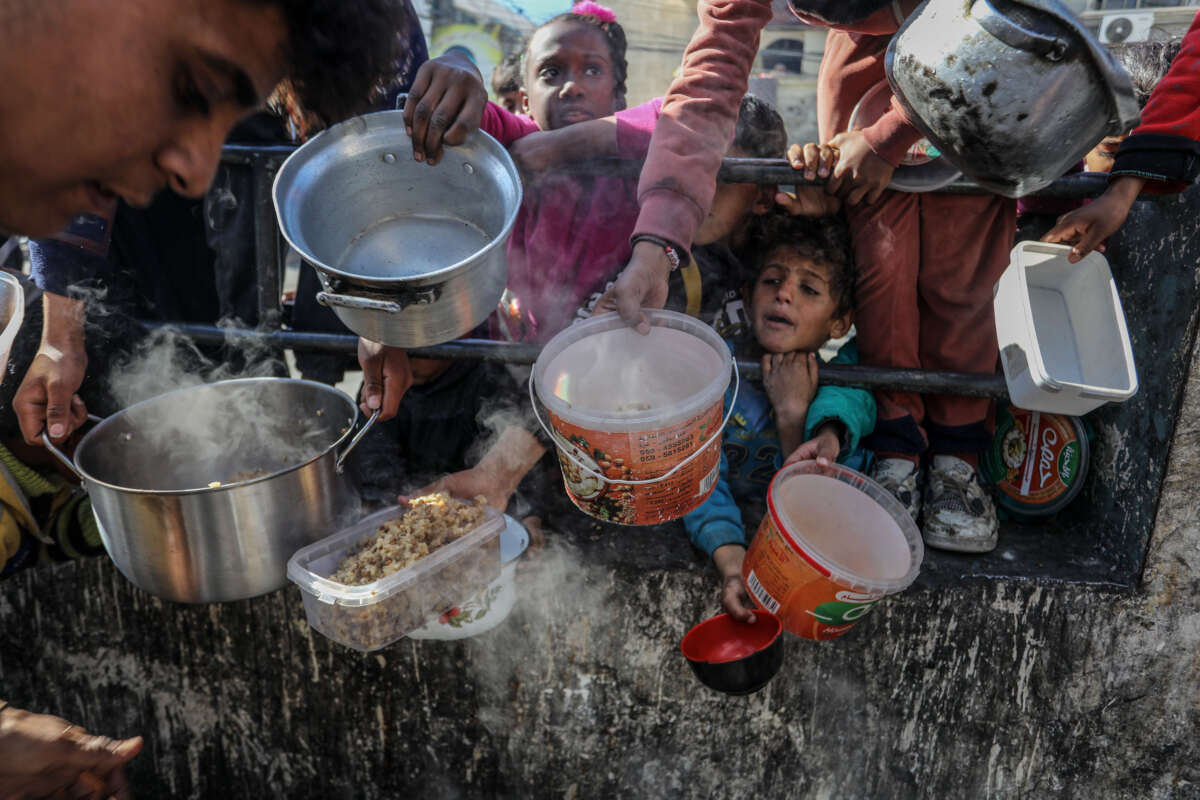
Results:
[1121, 28]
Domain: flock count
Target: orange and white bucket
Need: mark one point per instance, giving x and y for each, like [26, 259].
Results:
[637, 419]
[832, 544]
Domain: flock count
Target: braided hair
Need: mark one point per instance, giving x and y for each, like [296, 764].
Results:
[603, 18]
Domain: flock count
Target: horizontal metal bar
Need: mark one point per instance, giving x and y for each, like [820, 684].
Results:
[864, 376]
[733, 170]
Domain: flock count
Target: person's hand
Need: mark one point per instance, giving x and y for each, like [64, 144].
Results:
[1087, 227]
[810, 201]
[46, 399]
[495, 487]
[817, 160]
[387, 375]
[642, 284]
[42, 755]
[859, 174]
[822, 448]
[735, 599]
[791, 383]
[445, 104]
[497, 474]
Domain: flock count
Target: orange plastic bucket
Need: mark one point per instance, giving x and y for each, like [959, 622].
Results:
[637, 419]
[832, 544]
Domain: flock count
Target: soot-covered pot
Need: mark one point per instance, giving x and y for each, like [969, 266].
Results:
[1012, 92]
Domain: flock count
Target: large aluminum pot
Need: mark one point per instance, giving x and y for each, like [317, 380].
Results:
[408, 254]
[1012, 92]
[275, 447]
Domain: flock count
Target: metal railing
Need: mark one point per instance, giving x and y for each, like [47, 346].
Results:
[264, 161]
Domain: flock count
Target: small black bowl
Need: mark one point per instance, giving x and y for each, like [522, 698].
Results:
[735, 657]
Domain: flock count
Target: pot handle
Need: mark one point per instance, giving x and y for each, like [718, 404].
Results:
[1051, 48]
[340, 464]
[61, 456]
[421, 297]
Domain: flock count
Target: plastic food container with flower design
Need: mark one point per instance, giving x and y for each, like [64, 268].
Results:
[373, 615]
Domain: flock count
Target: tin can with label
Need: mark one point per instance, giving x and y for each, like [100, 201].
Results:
[1037, 462]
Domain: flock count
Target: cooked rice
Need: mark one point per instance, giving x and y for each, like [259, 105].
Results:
[431, 522]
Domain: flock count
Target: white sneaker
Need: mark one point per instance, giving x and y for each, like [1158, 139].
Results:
[902, 478]
[959, 514]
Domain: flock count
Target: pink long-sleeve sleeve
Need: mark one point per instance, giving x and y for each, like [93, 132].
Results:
[697, 119]
[505, 126]
[635, 127]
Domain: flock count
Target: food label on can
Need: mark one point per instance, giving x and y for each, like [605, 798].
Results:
[807, 601]
[640, 455]
[1035, 457]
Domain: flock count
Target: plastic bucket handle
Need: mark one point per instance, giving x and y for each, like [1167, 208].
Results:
[737, 385]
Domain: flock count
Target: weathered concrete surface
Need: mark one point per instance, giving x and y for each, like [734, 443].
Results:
[994, 689]
[983, 689]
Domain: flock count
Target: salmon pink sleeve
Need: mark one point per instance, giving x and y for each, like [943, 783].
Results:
[505, 126]
[697, 119]
[1164, 148]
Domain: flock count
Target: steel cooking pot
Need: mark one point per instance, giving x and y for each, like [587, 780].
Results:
[204, 493]
[408, 254]
[1012, 92]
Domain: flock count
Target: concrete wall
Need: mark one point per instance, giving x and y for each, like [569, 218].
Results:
[975, 688]
[999, 689]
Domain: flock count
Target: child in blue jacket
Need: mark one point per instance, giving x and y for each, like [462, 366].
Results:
[801, 297]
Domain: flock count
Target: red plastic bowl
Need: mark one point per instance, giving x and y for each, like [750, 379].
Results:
[733, 657]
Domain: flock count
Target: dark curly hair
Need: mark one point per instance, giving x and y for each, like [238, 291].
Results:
[506, 77]
[614, 34]
[760, 132]
[341, 52]
[824, 240]
[1147, 63]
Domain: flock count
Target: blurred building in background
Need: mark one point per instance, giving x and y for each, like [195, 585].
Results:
[785, 72]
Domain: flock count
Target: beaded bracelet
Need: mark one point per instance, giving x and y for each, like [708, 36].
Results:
[675, 255]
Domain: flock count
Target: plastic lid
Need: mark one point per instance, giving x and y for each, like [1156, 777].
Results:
[601, 374]
[847, 526]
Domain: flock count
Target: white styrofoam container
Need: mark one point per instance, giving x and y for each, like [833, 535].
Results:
[373, 615]
[12, 313]
[1061, 330]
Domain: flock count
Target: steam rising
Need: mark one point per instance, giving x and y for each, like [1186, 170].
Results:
[203, 435]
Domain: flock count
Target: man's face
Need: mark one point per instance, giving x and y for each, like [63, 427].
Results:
[104, 99]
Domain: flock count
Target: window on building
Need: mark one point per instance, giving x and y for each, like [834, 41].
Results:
[784, 54]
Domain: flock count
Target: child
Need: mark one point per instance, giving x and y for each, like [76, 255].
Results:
[572, 233]
[1146, 63]
[1162, 154]
[927, 262]
[506, 82]
[710, 287]
[801, 297]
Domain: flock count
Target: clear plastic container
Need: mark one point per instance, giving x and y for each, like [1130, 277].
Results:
[374, 615]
